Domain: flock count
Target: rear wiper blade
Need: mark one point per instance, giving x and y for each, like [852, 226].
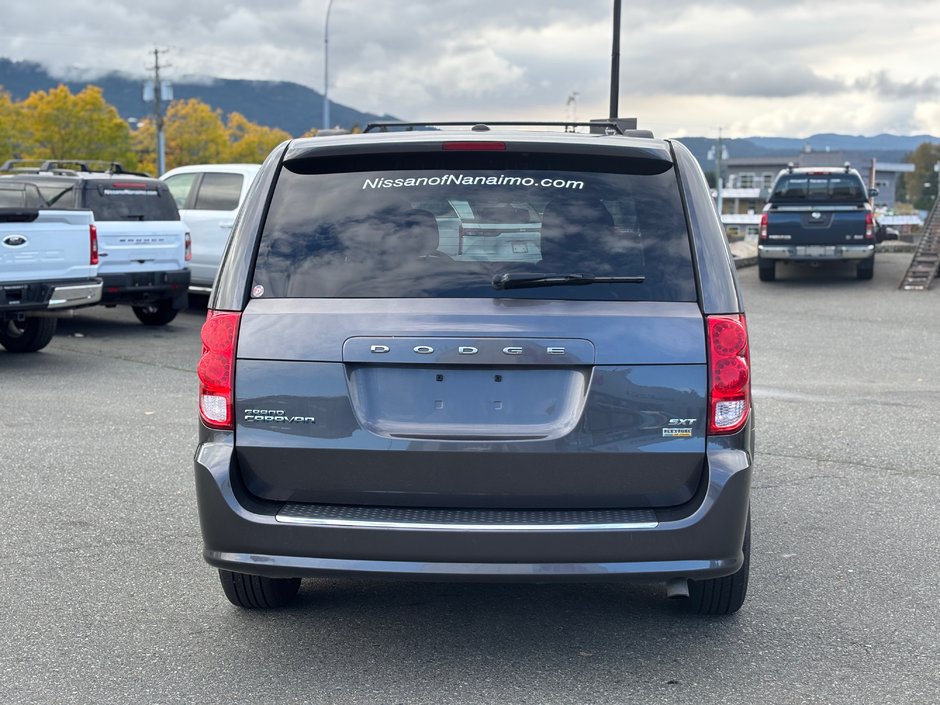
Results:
[519, 280]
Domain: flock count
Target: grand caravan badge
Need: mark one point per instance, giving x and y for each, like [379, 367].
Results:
[275, 416]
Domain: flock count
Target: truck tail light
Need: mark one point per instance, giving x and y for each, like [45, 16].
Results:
[189, 247]
[869, 226]
[216, 370]
[729, 374]
[92, 244]
[763, 227]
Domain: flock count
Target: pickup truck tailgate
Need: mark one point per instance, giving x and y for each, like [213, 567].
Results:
[145, 246]
[800, 225]
[45, 245]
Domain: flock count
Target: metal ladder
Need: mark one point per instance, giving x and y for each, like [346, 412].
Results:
[923, 268]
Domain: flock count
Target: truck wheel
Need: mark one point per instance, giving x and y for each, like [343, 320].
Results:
[27, 336]
[256, 592]
[866, 269]
[159, 313]
[766, 269]
[718, 596]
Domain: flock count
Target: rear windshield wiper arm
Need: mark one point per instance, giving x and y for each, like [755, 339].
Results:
[519, 280]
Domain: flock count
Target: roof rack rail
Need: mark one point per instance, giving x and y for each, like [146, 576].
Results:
[88, 166]
[482, 126]
[20, 164]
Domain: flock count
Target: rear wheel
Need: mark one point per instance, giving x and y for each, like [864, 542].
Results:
[29, 335]
[866, 269]
[766, 269]
[725, 595]
[159, 313]
[254, 592]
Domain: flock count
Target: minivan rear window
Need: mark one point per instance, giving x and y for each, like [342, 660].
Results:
[449, 229]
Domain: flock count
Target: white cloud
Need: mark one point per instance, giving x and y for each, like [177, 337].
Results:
[858, 66]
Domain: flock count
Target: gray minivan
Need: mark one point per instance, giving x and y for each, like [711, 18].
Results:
[572, 405]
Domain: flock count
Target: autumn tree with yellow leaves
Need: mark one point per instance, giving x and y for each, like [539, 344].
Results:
[12, 132]
[249, 142]
[194, 133]
[58, 124]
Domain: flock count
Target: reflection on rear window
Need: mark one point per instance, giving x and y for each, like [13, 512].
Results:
[819, 187]
[447, 233]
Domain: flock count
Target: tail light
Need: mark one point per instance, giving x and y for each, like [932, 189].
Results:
[216, 369]
[93, 244]
[729, 374]
[869, 226]
[189, 247]
[763, 227]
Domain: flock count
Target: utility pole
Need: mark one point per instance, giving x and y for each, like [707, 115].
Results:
[615, 65]
[718, 155]
[158, 110]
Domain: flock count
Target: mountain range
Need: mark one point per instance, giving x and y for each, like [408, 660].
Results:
[296, 109]
[289, 106]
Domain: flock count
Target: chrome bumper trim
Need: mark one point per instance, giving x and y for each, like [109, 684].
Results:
[815, 252]
[75, 295]
[477, 520]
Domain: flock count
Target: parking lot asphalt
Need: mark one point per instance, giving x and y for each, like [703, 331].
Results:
[105, 598]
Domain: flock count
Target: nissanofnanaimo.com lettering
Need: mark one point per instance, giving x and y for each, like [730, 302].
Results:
[462, 180]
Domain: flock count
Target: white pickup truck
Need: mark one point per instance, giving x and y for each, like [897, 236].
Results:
[48, 265]
[145, 247]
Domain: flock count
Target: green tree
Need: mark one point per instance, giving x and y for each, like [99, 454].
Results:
[922, 184]
[61, 125]
[250, 142]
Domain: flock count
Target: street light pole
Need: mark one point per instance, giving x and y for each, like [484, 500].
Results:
[615, 64]
[326, 66]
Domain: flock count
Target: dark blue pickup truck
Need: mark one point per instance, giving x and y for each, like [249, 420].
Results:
[817, 214]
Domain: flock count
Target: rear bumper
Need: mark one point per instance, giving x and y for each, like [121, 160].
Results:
[245, 535]
[816, 253]
[146, 287]
[53, 296]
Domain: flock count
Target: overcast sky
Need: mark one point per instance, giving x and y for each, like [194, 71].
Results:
[753, 67]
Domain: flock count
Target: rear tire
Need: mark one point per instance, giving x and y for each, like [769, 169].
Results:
[722, 596]
[766, 269]
[866, 269]
[254, 592]
[159, 313]
[28, 335]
